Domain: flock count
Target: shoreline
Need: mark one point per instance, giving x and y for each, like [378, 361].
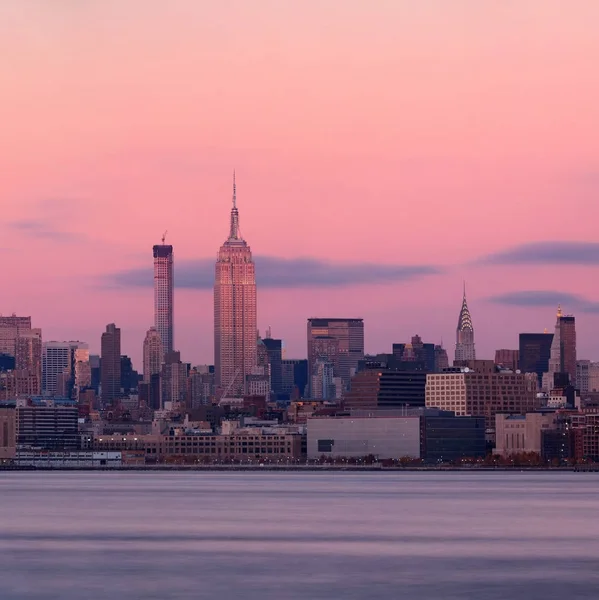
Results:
[300, 468]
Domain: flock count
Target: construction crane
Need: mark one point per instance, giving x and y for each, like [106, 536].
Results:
[164, 237]
[228, 388]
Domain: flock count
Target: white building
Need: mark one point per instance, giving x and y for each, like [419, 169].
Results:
[355, 437]
[587, 376]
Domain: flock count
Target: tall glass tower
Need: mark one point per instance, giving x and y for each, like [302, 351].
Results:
[163, 294]
[235, 323]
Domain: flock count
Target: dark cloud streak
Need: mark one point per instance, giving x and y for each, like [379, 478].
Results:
[44, 229]
[546, 253]
[545, 298]
[272, 272]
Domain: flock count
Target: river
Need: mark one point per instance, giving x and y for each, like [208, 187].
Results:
[292, 535]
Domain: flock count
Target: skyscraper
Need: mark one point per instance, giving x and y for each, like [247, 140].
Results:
[235, 321]
[110, 365]
[562, 358]
[58, 366]
[275, 357]
[173, 378]
[338, 341]
[163, 294]
[568, 347]
[464, 347]
[28, 354]
[153, 354]
[534, 352]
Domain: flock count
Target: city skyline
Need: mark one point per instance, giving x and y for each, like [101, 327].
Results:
[380, 192]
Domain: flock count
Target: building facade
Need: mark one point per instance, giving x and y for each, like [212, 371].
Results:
[274, 349]
[508, 359]
[48, 426]
[294, 378]
[110, 365]
[10, 327]
[235, 311]
[163, 295]
[482, 393]
[517, 434]
[587, 376]
[357, 437]
[534, 353]
[8, 438]
[562, 356]
[58, 366]
[173, 379]
[153, 354]
[379, 387]
[338, 341]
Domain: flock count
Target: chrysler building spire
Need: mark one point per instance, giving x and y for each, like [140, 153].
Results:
[464, 348]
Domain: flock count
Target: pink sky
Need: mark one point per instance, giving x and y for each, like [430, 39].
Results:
[395, 132]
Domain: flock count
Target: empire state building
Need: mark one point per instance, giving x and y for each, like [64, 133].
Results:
[235, 326]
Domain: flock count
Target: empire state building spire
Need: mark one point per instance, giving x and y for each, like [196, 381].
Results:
[464, 347]
[234, 232]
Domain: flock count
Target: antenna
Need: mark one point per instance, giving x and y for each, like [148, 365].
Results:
[234, 191]
[164, 237]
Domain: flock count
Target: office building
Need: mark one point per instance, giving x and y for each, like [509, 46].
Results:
[431, 435]
[562, 355]
[163, 294]
[587, 376]
[415, 355]
[338, 341]
[380, 387]
[508, 359]
[10, 326]
[110, 365]
[274, 348]
[448, 438]
[323, 380]
[14, 384]
[479, 390]
[441, 359]
[294, 378]
[153, 354]
[83, 371]
[200, 386]
[23, 344]
[28, 354]
[464, 347]
[47, 426]
[380, 436]
[517, 434]
[8, 437]
[534, 352]
[129, 376]
[173, 379]
[58, 366]
[235, 317]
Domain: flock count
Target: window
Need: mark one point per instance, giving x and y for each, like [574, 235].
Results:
[325, 445]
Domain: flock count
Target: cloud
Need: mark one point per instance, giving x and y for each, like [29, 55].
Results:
[273, 272]
[44, 228]
[546, 298]
[546, 253]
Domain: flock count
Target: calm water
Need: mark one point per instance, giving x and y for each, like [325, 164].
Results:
[299, 535]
